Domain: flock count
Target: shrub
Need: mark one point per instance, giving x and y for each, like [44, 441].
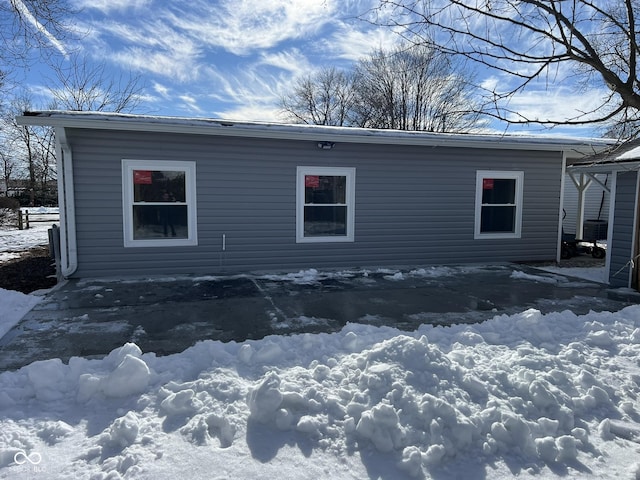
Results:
[9, 203]
[9, 211]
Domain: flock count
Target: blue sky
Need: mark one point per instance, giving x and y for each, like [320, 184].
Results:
[233, 59]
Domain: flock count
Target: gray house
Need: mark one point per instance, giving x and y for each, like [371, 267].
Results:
[144, 195]
[620, 165]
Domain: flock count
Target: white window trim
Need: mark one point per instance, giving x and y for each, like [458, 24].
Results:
[128, 166]
[518, 176]
[350, 174]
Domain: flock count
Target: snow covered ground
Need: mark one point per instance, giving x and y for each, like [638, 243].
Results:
[13, 241]
[526, 395]
[594, 274]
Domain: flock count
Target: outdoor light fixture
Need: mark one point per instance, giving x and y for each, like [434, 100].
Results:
[325, 145]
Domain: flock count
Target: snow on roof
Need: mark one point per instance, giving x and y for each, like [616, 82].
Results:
[633, 154]
[620, 156]
[573, 146]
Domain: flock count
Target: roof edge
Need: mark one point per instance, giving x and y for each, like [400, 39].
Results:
[573, 147]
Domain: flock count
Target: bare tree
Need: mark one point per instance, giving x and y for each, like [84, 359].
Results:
[325, 98]
[7, 169]
[79, 86]
[32, 24]
[535, 40]
[30, 30]
[414, 88]
[31, 152]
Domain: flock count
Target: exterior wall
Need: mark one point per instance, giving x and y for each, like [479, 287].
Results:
[414, 205]
[596, 203]
[622, 237]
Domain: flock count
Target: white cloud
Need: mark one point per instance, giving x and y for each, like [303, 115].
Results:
[252, 87]
[107, 6]
[490, 84]
[156, 47]
[160, 89]
[165, 64]
[185, 43]
[251, 91]
[349, 43]
[248, 92]
[559, 104]
[191, 103]
[293, 61]
[249, 112]
[40, 96]
[244, 26]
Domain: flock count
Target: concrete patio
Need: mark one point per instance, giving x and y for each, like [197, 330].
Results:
[91, 317]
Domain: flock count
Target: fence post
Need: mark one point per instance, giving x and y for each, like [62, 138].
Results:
[20, 226]
[27, 215]
[54, 249]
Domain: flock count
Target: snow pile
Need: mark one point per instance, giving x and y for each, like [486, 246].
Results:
[309, 277]
[553, 279]
[552, 395]
[14, 306]
[427, 272]
[314, 277]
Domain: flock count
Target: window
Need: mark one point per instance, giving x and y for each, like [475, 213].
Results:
[498, 204]
[159, 203]
[325, 204]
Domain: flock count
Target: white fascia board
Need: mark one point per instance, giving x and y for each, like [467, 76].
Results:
[605, 167]
[573, 147]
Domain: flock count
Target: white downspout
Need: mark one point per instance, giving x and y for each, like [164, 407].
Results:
[66, 204]
[560, 212]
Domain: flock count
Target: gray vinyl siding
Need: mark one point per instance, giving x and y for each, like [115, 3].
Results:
[415, 206]
[621, 245]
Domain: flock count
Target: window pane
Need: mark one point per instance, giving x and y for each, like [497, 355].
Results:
[159, 221]
[323, 221]
[498, 190]
[498, 219]
[158, 186]
[325, 189]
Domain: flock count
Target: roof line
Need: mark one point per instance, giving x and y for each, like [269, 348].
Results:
[203, 126]
[605, 166]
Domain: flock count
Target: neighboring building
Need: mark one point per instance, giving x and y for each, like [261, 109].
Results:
[620, 165]
[43, 195]
[143, 195]
[14, 188]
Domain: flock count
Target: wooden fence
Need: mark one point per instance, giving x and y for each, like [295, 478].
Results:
[25, 219]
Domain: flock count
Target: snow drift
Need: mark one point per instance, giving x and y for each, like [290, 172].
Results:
[528, 394]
